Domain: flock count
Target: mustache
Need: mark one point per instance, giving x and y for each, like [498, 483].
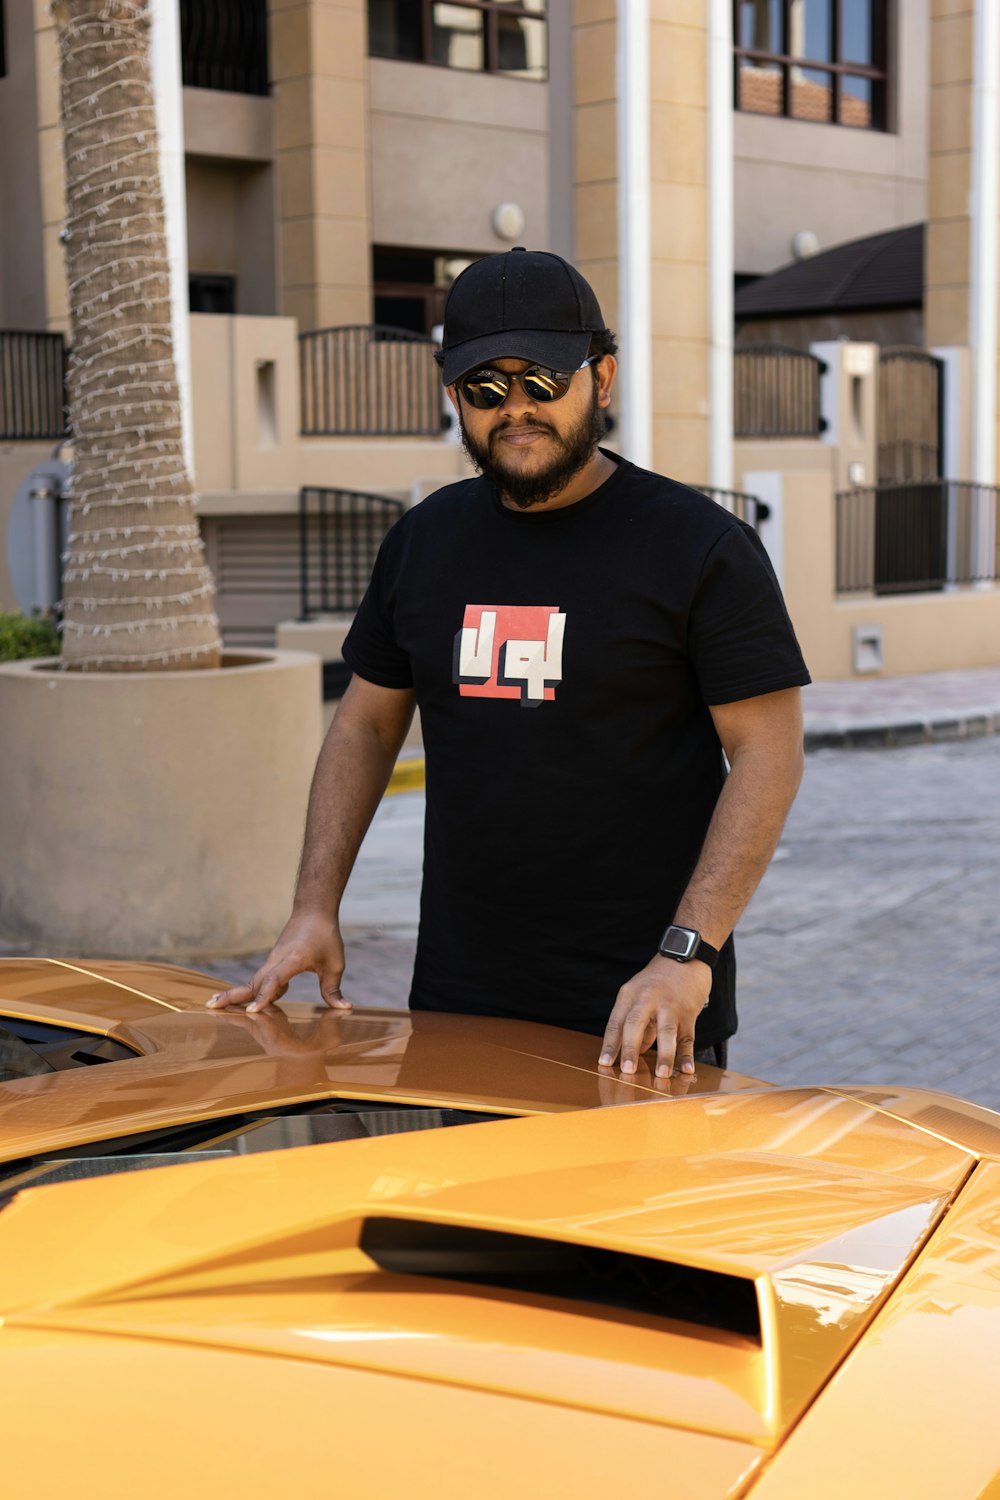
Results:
[522, 426]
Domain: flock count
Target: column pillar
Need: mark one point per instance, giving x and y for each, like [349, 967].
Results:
[676, 188]
[319, 73]
[51, 169]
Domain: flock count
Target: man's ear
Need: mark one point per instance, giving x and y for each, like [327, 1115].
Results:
[452, 395]
[606, 368]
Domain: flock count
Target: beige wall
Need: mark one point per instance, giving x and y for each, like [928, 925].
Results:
[249, 457]
[947, 272]
[237, 127]
[595, 170]
[447, 147]
[245, 402]
[231, 231]
[932, 632]
[946, 275]
[52, 175]
[319, 72]
[679, 209]
[838, 182]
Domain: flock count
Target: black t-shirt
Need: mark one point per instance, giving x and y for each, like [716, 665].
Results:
[564, 662]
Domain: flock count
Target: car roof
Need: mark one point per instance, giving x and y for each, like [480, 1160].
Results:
[192, 1064]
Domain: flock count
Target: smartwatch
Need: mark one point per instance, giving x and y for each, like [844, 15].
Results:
[683, 944]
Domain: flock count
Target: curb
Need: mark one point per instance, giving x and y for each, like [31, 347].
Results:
[886, 736]
[407, 776]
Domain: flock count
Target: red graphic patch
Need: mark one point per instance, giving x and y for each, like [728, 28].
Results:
[510, 651]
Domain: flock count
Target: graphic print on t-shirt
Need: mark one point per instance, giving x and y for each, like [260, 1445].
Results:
[510, 651]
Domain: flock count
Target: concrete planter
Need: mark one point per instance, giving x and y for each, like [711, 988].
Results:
[154, 814]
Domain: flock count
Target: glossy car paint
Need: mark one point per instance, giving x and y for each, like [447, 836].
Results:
[217, 1328]
[193, 1064]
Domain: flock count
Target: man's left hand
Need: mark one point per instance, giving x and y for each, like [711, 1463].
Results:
[662, 1003]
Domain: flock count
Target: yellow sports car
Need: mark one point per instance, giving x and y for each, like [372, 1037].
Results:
[725, 1289]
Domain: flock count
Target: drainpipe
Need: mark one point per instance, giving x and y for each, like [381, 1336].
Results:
[165, 66]
[634, 236]
[984, 207]
[45, 494]
[720, 243]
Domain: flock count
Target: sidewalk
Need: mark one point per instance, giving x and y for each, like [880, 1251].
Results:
[868, 712]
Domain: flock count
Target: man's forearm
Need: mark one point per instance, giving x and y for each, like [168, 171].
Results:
[762, 738]
[740, 841]
[351, 775]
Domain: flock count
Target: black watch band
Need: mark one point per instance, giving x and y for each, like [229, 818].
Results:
[683, 944]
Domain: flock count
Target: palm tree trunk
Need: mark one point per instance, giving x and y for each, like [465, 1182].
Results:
[138, 595]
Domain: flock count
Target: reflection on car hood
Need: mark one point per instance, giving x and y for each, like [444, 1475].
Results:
[347, 1317]
[816, 1203]
[192, 1064]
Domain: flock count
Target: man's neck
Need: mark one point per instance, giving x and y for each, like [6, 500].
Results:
[584, 482]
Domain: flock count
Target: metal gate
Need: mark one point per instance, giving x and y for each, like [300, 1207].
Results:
[910, 512]
[910, 409]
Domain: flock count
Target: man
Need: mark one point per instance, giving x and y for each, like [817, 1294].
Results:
[584, 640]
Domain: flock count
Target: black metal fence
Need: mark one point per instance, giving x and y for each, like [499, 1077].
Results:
[747, 507]
[340, 532]
[776, 392]
[224, 45]
[32, 385]
[369, 381]
[916, 536]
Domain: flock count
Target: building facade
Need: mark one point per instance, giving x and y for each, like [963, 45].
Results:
[344, 159]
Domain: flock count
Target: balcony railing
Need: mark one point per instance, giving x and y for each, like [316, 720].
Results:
[918, 536]
[369, 381]
[776, 392]
[747, 507]
[224, 45]
[32, 385]
[340, 532]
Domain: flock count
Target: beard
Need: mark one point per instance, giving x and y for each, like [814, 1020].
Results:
[575, 449]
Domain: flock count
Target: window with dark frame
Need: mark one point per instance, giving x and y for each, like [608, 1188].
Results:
[224, 45]
[818, 60]
[211, 293]
[409, 286]
[480, 36]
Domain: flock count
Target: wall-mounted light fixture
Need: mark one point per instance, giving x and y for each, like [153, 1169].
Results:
[508, 221]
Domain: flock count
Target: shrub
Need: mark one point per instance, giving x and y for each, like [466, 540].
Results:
[27, 635]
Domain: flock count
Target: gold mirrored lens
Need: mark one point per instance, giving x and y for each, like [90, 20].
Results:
[486, 387]
[489, 388]
[543, 385]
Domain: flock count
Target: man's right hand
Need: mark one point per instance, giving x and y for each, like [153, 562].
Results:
[308, 944]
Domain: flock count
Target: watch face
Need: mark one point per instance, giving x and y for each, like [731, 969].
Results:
[679, 942]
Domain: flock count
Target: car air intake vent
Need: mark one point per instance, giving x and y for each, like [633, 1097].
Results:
[554, 1268]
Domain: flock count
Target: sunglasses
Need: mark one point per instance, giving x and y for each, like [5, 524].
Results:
[487, 388]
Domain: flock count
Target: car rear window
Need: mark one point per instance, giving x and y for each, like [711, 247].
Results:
[235, 1135]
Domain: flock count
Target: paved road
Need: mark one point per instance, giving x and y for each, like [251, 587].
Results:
[871, 952]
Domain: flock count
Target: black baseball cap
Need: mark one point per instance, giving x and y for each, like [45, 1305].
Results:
[523, 304]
